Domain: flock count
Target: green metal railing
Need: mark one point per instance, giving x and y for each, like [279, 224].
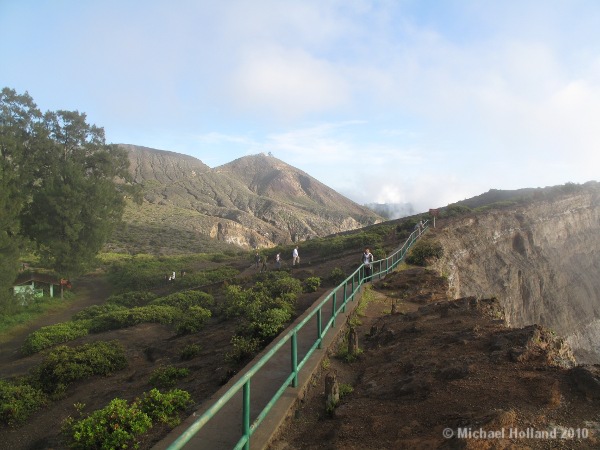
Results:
[332, 305]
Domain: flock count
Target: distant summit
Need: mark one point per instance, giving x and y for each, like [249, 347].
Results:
[254, 201]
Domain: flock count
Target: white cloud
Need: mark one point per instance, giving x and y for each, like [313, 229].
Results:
[287, 83]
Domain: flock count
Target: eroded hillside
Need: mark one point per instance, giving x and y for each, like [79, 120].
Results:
[541, 260]
[254, 201]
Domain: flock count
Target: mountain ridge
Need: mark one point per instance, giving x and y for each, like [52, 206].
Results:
[253, 201]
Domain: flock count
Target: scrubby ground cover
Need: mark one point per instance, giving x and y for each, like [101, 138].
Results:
[190, 334]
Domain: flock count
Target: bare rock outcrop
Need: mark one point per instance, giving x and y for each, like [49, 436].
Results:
[540, 259]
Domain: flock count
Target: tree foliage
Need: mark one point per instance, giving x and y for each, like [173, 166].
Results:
[61, 186]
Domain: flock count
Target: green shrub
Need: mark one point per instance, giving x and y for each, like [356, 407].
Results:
[193, 320]
[242, 302]
[198, 279]
[312, 284]
[285, 285]
[269, 323]
[134, 316]
[187, 299]
[190, 352]
[97, 310]
[64, 364]
[379, 253]
[121, 425]
[243, 349]
[423, 250]
[165, 407]
[345, 389]
[167, 376]
[336, 276]
[18, 402]
[51, 335]
[131, 299]
[118, 425]
[455, 210]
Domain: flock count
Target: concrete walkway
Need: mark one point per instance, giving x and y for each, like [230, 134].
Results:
[224, 430]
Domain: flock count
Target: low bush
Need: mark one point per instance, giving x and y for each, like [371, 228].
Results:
[243, 349]
[190, 352]
[267, 324]
[64, 364]
[285, 285]
[424, 250]
[97, 310]
[165, 407]
[336, 276]
[52, 335]
[131, 299]
[192, 320]
[311, 284]
[167, 376]
[187, 299]
[121, 424]
[134, 316]
[18, 401]
[118, 425]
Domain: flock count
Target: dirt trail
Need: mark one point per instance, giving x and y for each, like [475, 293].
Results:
[90, 290]
[437, 367]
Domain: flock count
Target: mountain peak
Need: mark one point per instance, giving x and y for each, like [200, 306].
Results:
[253, 201]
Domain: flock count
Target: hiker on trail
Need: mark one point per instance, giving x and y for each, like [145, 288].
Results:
[417, 228]
[367, 260]
[278, 261]
[295, 257]
[256, 260]
[264, 267]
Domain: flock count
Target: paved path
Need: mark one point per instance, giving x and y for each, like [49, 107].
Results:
[224, 430]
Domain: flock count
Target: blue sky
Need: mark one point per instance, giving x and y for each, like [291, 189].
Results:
[421, 102]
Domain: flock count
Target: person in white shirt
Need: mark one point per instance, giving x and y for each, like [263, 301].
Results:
[367, 262]
[295, 257]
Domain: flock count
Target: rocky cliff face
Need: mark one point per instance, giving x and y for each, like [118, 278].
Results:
[541, 260]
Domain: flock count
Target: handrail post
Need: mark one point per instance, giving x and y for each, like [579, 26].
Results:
[333, 308]
[320, 327]
[246, 414]
[344, 298]
[295, 359]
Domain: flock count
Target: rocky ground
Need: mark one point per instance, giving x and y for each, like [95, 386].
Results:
[448, 374]
[148, 346]
[432, 367]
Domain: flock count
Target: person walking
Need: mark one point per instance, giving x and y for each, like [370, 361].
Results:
[256, 260]
[278, 261]
[367, 259]
[295, 257]
[264, 266]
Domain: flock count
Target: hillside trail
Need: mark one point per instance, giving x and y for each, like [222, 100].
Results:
[90, 289]
[436, 368]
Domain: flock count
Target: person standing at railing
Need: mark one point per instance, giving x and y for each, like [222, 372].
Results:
[295, 257]
[367, 260]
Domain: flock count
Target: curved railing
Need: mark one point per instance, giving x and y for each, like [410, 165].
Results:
[332, 305]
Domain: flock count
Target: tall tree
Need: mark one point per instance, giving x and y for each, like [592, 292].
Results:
[76, 199]
[20, 131]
